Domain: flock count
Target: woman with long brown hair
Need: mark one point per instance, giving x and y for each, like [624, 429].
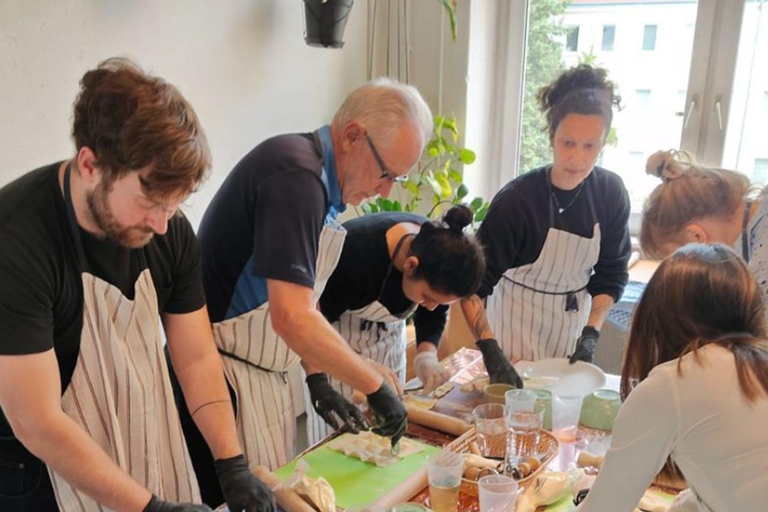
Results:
[695, 383]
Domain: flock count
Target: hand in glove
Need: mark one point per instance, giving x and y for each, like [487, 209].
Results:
[328, 401]
[390, 377]
[585, 345]
[241, 489]
[157, 505]
[388, 412]
[429, 370]
[499, 368]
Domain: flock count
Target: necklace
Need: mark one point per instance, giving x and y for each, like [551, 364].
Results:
[561, 209]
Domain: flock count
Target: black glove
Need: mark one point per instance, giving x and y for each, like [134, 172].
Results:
[585, 345]
[241, 489]
[327, 401]
[388, 412]
[157, 505]
[499, 368]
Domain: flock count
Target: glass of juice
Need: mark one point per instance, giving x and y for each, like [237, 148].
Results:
[444, 472]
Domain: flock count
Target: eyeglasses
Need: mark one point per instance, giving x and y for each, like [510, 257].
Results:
[384, 172]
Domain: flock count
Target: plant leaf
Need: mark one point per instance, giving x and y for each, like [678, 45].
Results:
[476, 204]
[434, 184]
[467, 156]
[446, 189]
[456, 176]
[462, 191]
[481, 213]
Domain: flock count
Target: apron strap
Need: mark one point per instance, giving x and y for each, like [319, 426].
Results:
[744, 236]
[392, 263]
[544, 292]
[72, 221]
[247, 362]
[591, 202]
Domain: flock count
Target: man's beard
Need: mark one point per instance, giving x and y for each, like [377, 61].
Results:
[132, 237]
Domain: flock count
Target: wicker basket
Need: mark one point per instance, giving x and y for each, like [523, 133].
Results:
[548, 445]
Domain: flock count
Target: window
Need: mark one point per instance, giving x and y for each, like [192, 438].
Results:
[609, 33]
[572, 41]
[649, 38]
[760, 174]
[643, 98]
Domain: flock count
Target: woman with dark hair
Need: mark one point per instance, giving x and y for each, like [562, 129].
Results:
[556, 239]
[394, 265]
[695, 384]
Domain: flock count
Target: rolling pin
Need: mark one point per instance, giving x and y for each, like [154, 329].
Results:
[285, 496]
[437, 421]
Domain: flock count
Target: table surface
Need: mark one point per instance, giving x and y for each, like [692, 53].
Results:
[465, 365]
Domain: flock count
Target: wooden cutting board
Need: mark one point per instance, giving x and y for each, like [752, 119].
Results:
[356, 482]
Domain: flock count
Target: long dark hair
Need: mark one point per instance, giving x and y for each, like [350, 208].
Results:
[580, 90]
[450, 260]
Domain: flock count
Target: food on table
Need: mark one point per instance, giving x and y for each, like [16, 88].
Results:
[317, 492]
[476, 384]
[545, 490]
[369, 447]
[587, 460]
[420, 401]
[476, 466]
[478, 461]
[442, 390]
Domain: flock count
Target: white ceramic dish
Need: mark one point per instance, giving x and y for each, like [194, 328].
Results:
[561, 377]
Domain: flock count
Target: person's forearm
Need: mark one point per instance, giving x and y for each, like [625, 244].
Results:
[67, 449]
[323, 349]
[209, 403]
[474, 313]
[426, 346]
[601, 306]
[310, 369]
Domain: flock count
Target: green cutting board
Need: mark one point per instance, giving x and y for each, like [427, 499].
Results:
[356, 482]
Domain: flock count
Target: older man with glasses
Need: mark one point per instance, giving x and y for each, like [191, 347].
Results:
[270, 242]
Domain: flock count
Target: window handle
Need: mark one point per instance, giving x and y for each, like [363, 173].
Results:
[691, 108]
[719, 110]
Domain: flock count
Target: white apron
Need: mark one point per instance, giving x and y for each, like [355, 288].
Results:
[120, 391]
[373, 332]
[256, 361]
[537, 311]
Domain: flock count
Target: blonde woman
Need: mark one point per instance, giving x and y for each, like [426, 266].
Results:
[695, 203]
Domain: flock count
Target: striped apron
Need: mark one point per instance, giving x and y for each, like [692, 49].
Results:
[256, 362]
[373, 332]
[120, 391]
[537, 311]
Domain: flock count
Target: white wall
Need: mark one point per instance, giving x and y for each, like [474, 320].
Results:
[243, 65]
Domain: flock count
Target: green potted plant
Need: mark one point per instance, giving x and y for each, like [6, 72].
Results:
[435, 178]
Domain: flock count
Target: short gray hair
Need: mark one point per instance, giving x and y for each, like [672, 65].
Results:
[383, 105]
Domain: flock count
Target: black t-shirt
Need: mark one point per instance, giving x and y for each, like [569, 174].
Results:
[359, 276]
[515, 229]
[41, 291]
[264, 223]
